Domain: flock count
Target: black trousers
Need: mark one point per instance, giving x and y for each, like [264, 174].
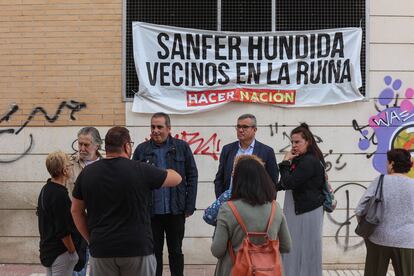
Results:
[173, 227]
[379, 256]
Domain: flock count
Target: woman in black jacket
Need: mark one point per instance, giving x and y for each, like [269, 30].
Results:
[302, 176]
[58, 234]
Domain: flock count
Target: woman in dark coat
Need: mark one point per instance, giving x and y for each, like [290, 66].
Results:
[302, 176]
[58, 234]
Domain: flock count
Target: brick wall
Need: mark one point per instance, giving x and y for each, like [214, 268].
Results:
[57, 58]
[57, 50]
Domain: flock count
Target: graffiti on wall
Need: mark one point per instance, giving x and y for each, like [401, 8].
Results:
[344, 230]
[391, 126]
[73, 106]
[333, 161]
[6, 116]
[203, 146]
[199, 144]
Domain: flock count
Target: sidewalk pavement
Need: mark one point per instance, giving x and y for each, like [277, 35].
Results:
[190, 270]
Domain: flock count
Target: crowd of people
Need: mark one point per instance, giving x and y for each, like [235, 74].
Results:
[113, 212]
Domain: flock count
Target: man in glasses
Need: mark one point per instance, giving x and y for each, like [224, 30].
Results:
[170, 206]
[247, 144]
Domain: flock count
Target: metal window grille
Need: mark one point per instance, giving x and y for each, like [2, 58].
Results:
[241, 16]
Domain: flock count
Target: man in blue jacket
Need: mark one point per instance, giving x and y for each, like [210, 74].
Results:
[247, 144]
[170, 206]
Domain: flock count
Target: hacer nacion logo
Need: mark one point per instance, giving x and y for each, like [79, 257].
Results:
[247, 95]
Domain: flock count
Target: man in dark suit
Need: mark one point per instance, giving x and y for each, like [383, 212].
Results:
[247, 144]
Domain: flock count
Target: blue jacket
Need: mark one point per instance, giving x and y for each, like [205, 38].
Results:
[180, 159]
[223, 176]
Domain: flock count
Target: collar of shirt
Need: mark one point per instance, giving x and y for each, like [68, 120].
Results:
[60, 186]
[163, 144]
[88, 162]
[248, 151]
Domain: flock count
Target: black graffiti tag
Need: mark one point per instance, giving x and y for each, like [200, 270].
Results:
[6, 116]
[345, 225]
[74, 106]
[372, 138]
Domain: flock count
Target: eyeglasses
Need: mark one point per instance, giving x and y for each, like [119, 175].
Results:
[244, 127]
[131, 144]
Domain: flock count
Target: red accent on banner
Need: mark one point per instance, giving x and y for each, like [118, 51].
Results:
[247, 95]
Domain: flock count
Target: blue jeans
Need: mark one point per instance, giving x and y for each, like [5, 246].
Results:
[85, 268]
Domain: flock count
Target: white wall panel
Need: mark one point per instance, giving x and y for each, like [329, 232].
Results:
[228, 114]
[19, 250]
[18, 223]
[32, 168]
[392, 57]
[386, 29]
[19, 195]
[44, 140]
[392, 8]
[377, 84]
[206, 141]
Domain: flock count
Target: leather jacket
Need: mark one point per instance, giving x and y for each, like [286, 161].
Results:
[179, 158]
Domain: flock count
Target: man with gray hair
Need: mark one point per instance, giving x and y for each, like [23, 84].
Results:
[247, 144]
[89, 143]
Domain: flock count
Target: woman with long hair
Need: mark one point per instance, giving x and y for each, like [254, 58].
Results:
[253, 195]
[302, 175]
[393, 238]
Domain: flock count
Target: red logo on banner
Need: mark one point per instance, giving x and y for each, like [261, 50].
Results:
[269, 96]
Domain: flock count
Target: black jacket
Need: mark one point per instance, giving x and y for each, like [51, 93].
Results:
[181, 159]
[55, 222]
[227, 156]
[305, 177]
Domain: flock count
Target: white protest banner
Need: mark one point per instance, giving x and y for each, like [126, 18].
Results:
[186, 70]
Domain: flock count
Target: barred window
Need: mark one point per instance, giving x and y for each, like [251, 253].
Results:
[241, 16]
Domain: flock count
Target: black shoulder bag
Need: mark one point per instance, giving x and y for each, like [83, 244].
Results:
[372, 214]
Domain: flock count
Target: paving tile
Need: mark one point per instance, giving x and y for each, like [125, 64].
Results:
[357, 272]
[190, 270]
[341, 273]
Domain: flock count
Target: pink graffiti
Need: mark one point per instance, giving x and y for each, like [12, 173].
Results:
[210, 147]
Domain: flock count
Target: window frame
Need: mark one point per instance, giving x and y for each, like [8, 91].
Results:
[219, 27]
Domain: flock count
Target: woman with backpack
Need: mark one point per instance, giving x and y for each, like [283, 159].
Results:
[302, 175]
[253, 201]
